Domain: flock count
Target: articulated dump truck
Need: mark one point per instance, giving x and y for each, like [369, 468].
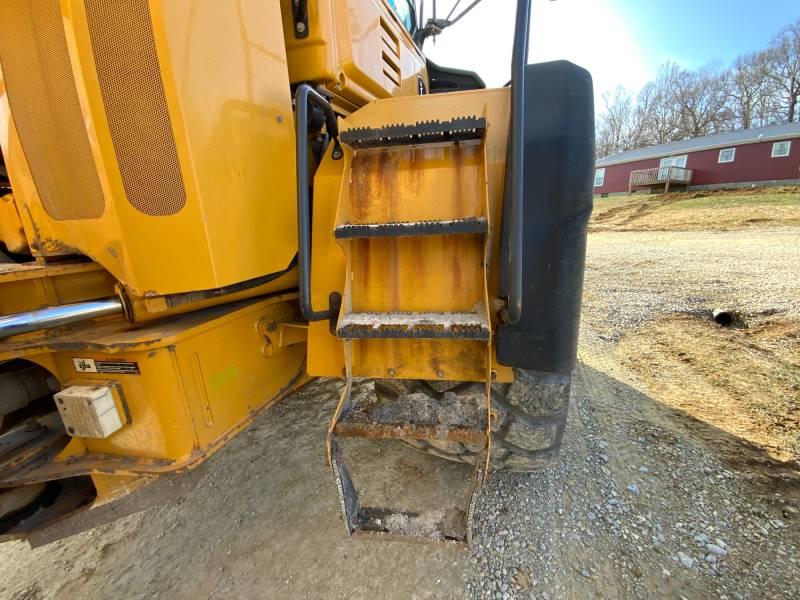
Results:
[205, 204]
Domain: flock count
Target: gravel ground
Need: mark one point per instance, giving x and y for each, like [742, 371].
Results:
[635, 509]
[632, 278]
[639, 506]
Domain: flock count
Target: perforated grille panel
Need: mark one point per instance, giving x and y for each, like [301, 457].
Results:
[136, 107]
[44, 104]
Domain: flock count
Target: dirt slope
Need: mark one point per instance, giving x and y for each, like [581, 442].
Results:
[711, 210]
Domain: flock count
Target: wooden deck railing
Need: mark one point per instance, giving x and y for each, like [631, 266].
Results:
[660, 176]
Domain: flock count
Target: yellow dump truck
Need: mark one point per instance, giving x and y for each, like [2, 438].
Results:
[205, 204]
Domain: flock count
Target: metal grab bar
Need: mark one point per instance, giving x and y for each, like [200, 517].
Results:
[305, 94]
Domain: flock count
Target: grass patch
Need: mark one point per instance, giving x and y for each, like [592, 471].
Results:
[734, 200]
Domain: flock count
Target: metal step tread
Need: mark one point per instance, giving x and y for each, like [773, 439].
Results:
[416, 325]
[417, 415]
[423, 132]
[412, 228]
[439, 525]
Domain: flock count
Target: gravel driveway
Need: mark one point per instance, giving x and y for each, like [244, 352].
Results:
[640, 505]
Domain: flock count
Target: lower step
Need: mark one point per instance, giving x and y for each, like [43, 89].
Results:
[416, 325]
[413, 416]
[444, 525]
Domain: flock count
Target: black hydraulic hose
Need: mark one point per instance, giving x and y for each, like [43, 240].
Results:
[515, 195]
[305, 94]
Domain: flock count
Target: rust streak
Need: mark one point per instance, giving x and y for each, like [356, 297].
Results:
[387, 185]
[455, 268]
[394, 274]
[458, 161]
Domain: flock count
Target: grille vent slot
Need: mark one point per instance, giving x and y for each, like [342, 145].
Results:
[46, 110]
[390, 53]
[136, 106]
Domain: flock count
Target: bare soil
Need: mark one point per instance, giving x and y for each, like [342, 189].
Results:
[743, 380]
[678, 476]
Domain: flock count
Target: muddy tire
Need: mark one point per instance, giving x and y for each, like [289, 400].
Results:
[528, 421]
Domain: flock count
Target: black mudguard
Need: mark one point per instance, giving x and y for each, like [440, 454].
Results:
[559, 165]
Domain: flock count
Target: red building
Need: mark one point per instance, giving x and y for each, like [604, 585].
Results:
[763, 155]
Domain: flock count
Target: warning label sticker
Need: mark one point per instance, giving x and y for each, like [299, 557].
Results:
[120, 367]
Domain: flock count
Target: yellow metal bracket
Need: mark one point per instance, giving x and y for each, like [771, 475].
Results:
[280, 336]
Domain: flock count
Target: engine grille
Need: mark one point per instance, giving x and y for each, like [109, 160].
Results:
[44, 104]
[136, 107]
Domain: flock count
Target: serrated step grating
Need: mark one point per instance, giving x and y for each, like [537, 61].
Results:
[423, 132]
[416, 325]
[412, 228]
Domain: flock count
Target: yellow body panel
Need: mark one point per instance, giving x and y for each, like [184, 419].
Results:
[386, 274]
[232, 130]
[357, 49]
[201, 378]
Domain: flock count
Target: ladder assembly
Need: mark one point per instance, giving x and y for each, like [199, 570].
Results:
[414, 223]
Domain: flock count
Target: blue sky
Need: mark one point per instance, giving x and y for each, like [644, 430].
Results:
[714, 29]
[621, 42]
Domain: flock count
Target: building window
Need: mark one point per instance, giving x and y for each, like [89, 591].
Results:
[780, 149]
[727, 155]
[599, 177]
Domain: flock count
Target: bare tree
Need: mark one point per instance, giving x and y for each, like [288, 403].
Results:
[701, 97]
[750, 93]
[663, 121]
[783, 68]
[614, 130]
[646, 100]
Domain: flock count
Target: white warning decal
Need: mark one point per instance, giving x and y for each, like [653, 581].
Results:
[120, 367]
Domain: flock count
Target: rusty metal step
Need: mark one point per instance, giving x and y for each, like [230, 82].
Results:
[369, 415]
[412, 228]
[415, 416]
[452, 524]
[415, 325]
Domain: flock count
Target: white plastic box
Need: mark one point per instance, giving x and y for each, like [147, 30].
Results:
[88, 410]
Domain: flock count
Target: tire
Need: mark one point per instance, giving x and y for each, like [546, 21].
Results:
[529, 417]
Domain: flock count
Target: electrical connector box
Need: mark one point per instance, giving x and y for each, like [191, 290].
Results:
[88, 410]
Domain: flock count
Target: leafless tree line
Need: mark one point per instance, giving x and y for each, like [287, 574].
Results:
[758, 89]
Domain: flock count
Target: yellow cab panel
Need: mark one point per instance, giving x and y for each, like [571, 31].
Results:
[358, 49]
